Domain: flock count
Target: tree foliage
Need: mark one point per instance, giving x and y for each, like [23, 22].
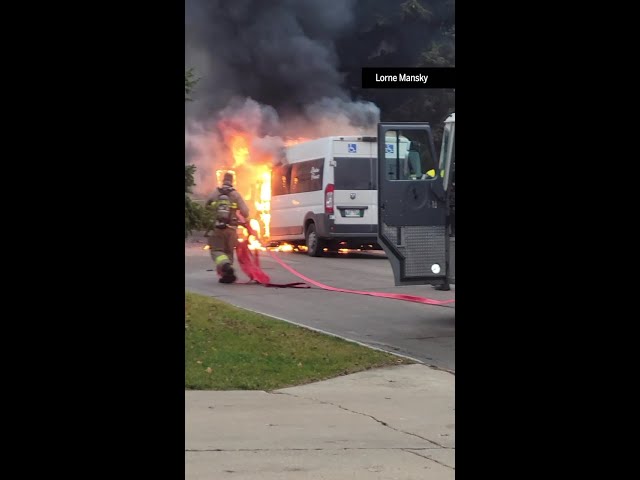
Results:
[413, 9]
[195, 216]
[190, 81]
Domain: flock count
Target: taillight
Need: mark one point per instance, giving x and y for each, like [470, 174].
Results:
[328, 199]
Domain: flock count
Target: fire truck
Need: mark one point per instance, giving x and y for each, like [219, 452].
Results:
[416, 213]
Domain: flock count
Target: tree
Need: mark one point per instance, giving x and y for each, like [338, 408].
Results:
[189, 182]
[189, 84]
[413, 9]
[193, 213]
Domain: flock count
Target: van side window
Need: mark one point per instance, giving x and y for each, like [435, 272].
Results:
[280, 180]
[307, 176]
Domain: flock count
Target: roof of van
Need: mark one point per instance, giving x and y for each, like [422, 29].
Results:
[344, 138]
[353, 138]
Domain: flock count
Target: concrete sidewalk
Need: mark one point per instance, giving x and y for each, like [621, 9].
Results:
[392, 423]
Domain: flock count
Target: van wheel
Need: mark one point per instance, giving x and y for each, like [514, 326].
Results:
[315, 246]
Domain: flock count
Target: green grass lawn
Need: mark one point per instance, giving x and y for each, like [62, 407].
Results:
[228, 348]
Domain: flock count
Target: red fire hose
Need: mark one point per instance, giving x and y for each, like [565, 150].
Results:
[250, 264]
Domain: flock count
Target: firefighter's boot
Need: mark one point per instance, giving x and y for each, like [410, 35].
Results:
[227, 275]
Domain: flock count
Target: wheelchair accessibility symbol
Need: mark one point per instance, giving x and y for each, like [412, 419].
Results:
[389, 148]
[353, 148]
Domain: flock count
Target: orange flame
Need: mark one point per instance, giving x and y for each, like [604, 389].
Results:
[255, 226]
[251, 168]
[263, 205]
[295, 141]
[239, 150]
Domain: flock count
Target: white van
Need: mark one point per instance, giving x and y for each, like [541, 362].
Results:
[325, 194]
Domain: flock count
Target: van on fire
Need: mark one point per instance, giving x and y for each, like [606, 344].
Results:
[324, 192]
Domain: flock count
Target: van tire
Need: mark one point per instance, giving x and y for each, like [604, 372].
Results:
[315, 245]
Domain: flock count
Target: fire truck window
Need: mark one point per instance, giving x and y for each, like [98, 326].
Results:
[307, 176]
[408, 167]
[409, 156]
[280, 180]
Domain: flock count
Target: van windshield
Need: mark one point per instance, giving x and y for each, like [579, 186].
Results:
[353, 173]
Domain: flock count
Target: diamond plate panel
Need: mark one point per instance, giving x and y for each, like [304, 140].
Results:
[425, 245]
[390, 232]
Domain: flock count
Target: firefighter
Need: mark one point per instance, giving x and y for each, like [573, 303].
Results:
[226, 202]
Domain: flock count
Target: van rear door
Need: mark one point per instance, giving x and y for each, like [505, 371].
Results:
[355, 186]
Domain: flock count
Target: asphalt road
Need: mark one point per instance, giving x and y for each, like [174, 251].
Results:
[420, 331]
